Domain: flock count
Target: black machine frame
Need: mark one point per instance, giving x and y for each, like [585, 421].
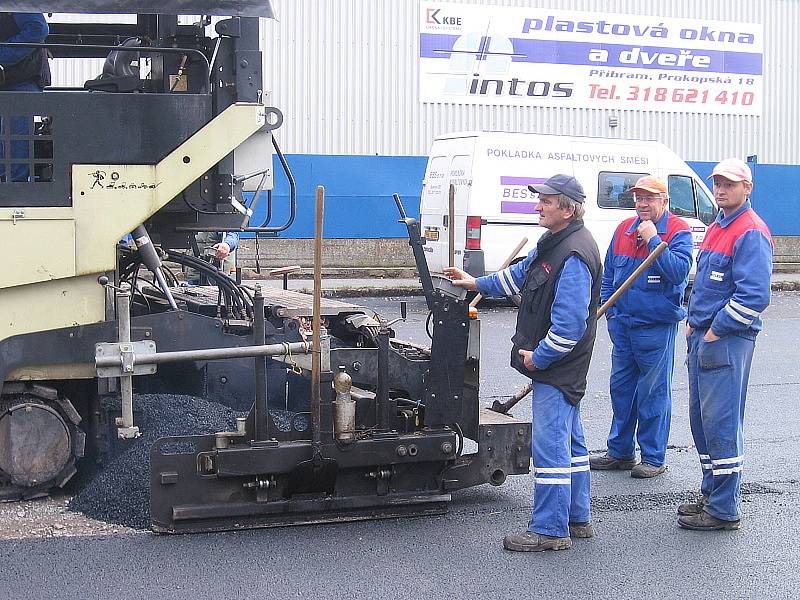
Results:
[414, 407]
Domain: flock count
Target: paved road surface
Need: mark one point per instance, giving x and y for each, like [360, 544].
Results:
[638, 553]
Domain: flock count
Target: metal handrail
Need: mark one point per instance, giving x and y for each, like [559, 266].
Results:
[120, 48]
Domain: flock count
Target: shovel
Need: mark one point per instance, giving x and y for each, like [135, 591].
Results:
[318, 474]
[504, 407]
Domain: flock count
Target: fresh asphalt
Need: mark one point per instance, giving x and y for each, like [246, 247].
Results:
[639, 552]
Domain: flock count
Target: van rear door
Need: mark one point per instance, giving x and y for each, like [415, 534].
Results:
[450, 163]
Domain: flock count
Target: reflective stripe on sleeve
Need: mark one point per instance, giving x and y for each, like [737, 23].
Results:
[510, 280]
[743, 309]
[737, 316]
[556, 346]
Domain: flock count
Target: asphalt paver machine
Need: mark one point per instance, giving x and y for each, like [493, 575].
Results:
[341, 420]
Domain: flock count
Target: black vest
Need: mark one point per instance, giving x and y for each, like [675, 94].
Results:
[34, 67]
[568, 374]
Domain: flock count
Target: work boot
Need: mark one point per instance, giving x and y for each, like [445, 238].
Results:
[692, 508]
[528, 541]
[610, 463]
[646, 471]
[581, 530]
[706, 522]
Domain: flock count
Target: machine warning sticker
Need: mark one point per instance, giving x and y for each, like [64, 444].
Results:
[103, 180]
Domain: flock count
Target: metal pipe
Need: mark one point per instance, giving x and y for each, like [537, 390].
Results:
[248, 212]
[259, 338]
[212, 354]
[316, 324]
[344, 407]
[382, 391]
[126, 428]
[451, 226]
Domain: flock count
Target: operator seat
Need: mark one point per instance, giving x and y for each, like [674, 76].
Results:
[120, 71]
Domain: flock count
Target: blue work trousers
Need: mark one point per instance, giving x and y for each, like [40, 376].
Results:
[718, 375]
[561, 464]
[642, 361]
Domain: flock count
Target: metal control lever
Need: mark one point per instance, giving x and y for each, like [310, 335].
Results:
[416, 241]
[402, 317]
[106, 282]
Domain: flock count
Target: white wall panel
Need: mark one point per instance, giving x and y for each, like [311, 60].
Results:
[345, 74]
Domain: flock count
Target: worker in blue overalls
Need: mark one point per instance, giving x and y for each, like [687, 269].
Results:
[731, 290]
[559, 282]
[642, 326]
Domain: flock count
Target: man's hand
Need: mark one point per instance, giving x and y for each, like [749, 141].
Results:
[527, 359]
[710, 336]
[460, 278]
[222, 250]
[647, 230]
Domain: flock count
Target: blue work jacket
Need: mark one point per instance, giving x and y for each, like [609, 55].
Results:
[734, 270]
[657, 295]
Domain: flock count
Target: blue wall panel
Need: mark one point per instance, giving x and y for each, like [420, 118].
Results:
[358, 194]
[358, 191]
[776, 194]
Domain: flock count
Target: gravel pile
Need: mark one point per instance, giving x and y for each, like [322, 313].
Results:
[286, 420]
[120, 492]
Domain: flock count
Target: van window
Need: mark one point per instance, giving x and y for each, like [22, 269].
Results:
[681, 196]
[706, 211]
[613, 189]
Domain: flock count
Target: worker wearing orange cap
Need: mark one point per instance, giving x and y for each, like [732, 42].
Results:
[642, 326]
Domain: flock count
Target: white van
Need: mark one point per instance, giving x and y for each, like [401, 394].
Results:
[494, 210]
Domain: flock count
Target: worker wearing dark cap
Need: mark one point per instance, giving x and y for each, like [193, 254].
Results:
[731, 290]
[559, 282]
[642, 326]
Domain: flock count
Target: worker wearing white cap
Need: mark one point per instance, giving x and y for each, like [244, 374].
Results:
[731, 290]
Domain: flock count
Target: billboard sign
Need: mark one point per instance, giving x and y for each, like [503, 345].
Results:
[477, 54]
